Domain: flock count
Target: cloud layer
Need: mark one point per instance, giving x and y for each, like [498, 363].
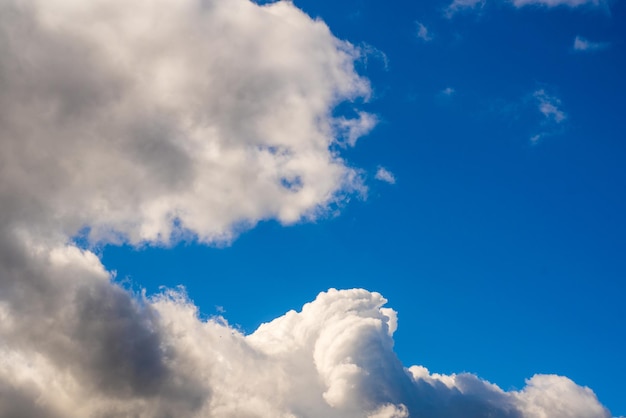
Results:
[146, 121]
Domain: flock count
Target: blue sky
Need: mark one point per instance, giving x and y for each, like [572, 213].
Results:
[501, 244]
[184, 183]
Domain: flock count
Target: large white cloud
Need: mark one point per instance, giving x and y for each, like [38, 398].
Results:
[143, 120]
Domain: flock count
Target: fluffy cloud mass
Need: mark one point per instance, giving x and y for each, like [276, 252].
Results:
[141, 120]
[144, 121]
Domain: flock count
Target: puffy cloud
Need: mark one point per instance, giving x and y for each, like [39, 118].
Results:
[139, 121]
[385, 175]
[582, 44]
[106, 353]
[156, 118]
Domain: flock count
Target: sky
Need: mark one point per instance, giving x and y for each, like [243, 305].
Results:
[223, 208]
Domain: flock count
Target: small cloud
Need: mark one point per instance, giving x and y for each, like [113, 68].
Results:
[448, 91]
[461, 5]
[534, 140]
[423, 33]
[549, 106]
[584, 45]
[220, 309]
[554, 3]
[384, 175]
[553, 116]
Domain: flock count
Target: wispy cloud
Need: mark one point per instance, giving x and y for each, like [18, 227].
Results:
[385, 175]
[550, 107]
[423, 33]
[555, 3]
[584, 45]
[462, 5]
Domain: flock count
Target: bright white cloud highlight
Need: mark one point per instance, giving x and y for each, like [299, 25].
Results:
[584, 45]
[385, 175]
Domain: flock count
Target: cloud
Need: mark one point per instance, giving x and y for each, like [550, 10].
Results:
[555, 3]
[159, 118]
[423, 33]
[584, 45]
[105, 353]
[139, 122]
[549, 106]
[448, 91]
[462, 5]
[383, 174]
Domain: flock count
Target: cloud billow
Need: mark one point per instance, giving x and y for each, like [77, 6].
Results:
[156, 118]
[142, 122]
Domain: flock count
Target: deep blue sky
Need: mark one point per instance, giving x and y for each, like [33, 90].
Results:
[504, 257]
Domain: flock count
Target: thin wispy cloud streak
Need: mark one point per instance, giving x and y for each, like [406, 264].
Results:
[555, 3]
[461, 6]
[151, 122]
[423, 33]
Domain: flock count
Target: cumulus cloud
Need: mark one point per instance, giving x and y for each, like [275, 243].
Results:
[156, 118]
[139, 122]
[106, 354]
[385, 175]
[585, 45]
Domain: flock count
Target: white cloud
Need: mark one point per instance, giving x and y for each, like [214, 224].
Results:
[385, 175]
[462, 5]
[582, 44]
[157, 117]
[549, 106]
[105, 354]
[423, 33]
[554, 3]
[553, 116]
